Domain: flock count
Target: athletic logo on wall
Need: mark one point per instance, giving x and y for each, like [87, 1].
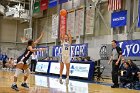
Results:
[103, 52]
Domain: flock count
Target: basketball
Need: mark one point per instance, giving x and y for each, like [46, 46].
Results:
[63, 12]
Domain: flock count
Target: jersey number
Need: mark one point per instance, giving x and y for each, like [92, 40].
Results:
[66, 48]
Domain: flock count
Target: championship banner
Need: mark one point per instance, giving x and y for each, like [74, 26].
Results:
[79, 23]
[119, 18]
[71, 23]
[43, 5]
[90, 20]
[139, 14]
[55, 19]
[36, 7]
[42, 54]
[52, 3]
[77, 49]
[62, 1]
[130, 48]
[63, 22]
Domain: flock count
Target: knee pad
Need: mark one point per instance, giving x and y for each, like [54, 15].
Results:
[27, 72]
[17, 72]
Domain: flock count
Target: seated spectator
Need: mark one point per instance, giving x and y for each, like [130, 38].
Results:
[122, 65]
[126, 75]
[134, 69]
[47, 58]
[10, 64]
[87, 59]
[79, 58]
[51, 58]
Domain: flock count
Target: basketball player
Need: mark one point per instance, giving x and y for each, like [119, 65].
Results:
[22, 63]
[66, 41]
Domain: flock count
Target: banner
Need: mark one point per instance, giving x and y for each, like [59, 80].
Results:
[63, 24]
[42, 67]
[119, 18]
[90, 20]
[43, 4]
[55, 19]
[71, 23]
[42, 54]
[77, 49]
[36, 7]
[52, 3]
[130, 48]
[76, 69]
[79, 23]
[139, 14]
[62, 1]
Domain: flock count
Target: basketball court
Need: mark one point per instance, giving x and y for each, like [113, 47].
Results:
[44, 84]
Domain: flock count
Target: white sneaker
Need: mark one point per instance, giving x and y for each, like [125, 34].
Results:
[60, 81]
[67, 80]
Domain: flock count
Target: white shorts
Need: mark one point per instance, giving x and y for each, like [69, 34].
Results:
[66, 59]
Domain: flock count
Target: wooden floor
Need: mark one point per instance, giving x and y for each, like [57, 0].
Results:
[43, 84]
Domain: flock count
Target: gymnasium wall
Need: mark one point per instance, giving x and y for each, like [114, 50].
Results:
[10, 32]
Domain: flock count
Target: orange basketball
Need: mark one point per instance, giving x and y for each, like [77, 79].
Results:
[63, 12]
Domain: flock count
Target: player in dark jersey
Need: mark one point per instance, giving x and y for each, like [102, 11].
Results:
[22, 65]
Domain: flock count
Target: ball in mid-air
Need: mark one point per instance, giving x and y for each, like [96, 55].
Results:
[63, 12]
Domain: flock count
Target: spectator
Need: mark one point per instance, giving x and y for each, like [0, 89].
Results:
[134, 68]
[10, 64]
[51, 58]
[79, 58]
[87, 59]
[4, 59]
[126, 75]
[34, 60]
[47, 58]
[122, 64]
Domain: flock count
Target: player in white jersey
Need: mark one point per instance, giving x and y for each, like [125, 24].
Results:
[66, 41]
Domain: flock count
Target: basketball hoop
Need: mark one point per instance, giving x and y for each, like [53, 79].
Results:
[23, 39]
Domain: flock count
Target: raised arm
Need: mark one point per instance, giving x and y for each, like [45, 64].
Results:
[40, 37]
[62, 38]
[70, 37]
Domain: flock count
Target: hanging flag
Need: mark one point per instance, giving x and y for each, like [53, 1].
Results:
[79, 22]
[139, 15]
[62, 1]
[114, 5]
[119, 18]
[36, 7]
[63, 22]
[52, 3]
[55, 19]
[43, 4]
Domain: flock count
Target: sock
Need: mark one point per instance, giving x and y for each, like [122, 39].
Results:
[14, 83]
[60, 77]
[24, 81]
[67, 77]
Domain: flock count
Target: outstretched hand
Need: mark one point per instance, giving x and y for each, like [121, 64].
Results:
[42, 33]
